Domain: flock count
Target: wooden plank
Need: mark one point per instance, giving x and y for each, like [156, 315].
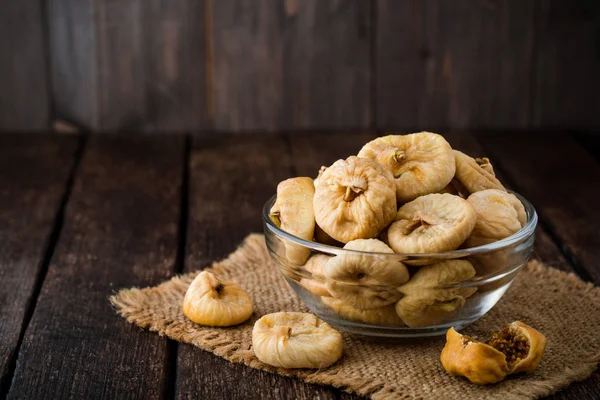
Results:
[567, 64]
[73, 48]
[24, 99]
[34, 171]
[561, 179]
[230, 180]
[293, 64]
[591, 142]
[453, 64]
[130, 65]
[120, 230]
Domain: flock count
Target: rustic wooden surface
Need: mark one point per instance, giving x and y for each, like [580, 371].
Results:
[121, 226]
[142, 209]
[24, 88]
[33, 183]
[454, 64]
[134, 64]
[241, 65]
[291, 64]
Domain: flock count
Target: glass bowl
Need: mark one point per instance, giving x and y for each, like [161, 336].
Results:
[436, 308]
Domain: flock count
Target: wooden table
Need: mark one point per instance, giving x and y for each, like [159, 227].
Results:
[83, 216]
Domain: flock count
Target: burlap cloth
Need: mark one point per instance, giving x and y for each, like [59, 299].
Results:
[560, 305]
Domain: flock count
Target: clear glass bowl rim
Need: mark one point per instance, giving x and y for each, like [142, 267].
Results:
[521, 235]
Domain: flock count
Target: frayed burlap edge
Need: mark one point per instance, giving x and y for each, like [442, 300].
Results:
[134, 305]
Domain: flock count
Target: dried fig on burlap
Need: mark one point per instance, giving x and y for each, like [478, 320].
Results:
[425, 303]
[354, 199]
[296, 340]
[432, 223]
[516, 348]
[365, 281]
[421, 163]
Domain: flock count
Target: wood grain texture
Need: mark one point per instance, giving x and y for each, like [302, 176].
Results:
[33, 177]
[562, 180]
[453, 64]
[24, 98]
[567, 64]
[291, 64]
[130, 65]
[120, 230]
[230, 180]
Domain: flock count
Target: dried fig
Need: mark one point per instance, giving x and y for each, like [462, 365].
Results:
[516, 348]
[421, 163]
[425, 303]
[293, 212]
[385, 316]
[212, 302]
[316, 283]
[322, 237]
[354, 199]
[296, 340]
[499, 215]
[432, 223]
[473, 175]
[365, 281]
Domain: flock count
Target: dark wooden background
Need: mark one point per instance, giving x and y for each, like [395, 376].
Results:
[268, 65]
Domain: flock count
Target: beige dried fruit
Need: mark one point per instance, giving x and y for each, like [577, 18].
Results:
[432, 223]
[296, 340]
[450, 189]
[293, 213]
[365, 281]
[425, 303]
[354, 199]
[316, 283]
[212, 302]
[473, 175]
[421, 163]
[322, 237]
[516, 348]
[499, 215]
[385, 316]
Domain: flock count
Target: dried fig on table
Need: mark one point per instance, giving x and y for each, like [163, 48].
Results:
[296, 340]
[385, 316]
[212, 302]
[425, 303]
[316, 283]
[421, 163]
[499, 215]
[365, 281]
[473, 175]
[354, 199]
[432, 223]
[516, 348]
[293, 213]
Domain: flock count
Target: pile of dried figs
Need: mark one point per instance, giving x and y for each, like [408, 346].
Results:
[402, 194]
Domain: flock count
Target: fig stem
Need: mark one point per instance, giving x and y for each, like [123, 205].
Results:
[414, 224]
[219, 288]
[351, 193]
[398, 155]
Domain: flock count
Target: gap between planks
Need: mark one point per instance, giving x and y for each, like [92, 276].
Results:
[182, 231]
[49, 248]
